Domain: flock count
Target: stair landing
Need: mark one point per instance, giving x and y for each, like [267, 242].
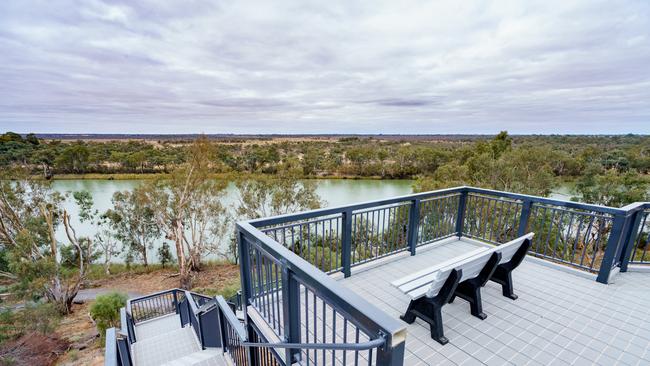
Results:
[163, 341]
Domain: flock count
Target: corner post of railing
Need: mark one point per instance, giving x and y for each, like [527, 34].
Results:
[291, 312]
[175, 293]
[244, 268]
[526, 207]
[613, 242]
[460, 216]
[414, 223]
[630, 239]
[346, 242]
[389, 355]
[202, 336]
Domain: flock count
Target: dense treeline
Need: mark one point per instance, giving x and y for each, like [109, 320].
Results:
[568, 156]
[185, 206]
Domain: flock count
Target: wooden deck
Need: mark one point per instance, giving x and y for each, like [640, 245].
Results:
[559, 319]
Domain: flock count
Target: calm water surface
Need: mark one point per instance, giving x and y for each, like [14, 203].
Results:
[334, 192]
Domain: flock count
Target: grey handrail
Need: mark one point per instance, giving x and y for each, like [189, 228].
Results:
[266, 221]
[241, 332]
[141, 298]
[369, 317]
[326, 346]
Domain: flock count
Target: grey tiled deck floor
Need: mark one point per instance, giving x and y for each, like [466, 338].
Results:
[559, 319]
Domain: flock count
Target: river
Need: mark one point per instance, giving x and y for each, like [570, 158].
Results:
[333, 192]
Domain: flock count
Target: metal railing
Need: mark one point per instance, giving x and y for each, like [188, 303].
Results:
[641, 246]
[154, 305]
[588, 237]
[305, 308]
[294, 312]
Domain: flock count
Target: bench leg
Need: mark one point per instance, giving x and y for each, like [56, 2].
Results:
[409, 316]
[504, 278]
[472, 293]
[429, 311]
[503, 273]
[437, 332]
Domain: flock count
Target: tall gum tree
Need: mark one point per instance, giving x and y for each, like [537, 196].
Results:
[189, 211]
[30, 213]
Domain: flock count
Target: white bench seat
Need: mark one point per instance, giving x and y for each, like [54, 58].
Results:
[461, 276]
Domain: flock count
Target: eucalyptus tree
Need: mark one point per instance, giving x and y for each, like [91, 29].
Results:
[188, 209]
[134, 223]
[30, 214]
[269, 196]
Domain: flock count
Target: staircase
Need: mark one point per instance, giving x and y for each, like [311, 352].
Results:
[162, 341]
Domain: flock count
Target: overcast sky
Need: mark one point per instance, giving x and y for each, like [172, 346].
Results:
[330, 66]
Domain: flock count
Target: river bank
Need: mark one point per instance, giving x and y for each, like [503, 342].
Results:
[224, 176]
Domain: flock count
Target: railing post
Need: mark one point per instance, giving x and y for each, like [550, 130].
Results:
[525, 215]
[346, 242]
[252, 355]
[414, 222]
[387, 355]
[200, 320]
[630, 239]
[244, 269]
[460, 216]
[175, 301]
[124, 351]
[291, 312]
[612, 248]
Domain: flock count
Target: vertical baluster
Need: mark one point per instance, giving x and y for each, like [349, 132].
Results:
[345, 340]
[315, 329]
[367, 238]
[270, 290]
[307, 322]
[645, 247]
[550, 229]
[601, 223]
[356, 340]
[577, 238]
[538, 233]
[565, 250]
[324, 328]
[558, 235]
[384, 231]
[437, 218]
[333, 335]
[356, 237]
[477, 219]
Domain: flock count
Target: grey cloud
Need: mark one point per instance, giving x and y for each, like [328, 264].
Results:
[314, 67]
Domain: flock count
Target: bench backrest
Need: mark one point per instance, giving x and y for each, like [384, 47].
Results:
[509, 249]
[430, 280]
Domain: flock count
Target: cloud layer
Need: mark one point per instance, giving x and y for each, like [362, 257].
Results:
[325, 67]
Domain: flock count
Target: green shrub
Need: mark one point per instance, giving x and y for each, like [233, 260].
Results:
[42, 318]
[106, 311]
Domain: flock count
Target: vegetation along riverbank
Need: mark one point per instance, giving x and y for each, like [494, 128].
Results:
[182, 204]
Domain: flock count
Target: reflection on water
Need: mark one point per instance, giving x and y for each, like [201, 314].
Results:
[335, 192]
